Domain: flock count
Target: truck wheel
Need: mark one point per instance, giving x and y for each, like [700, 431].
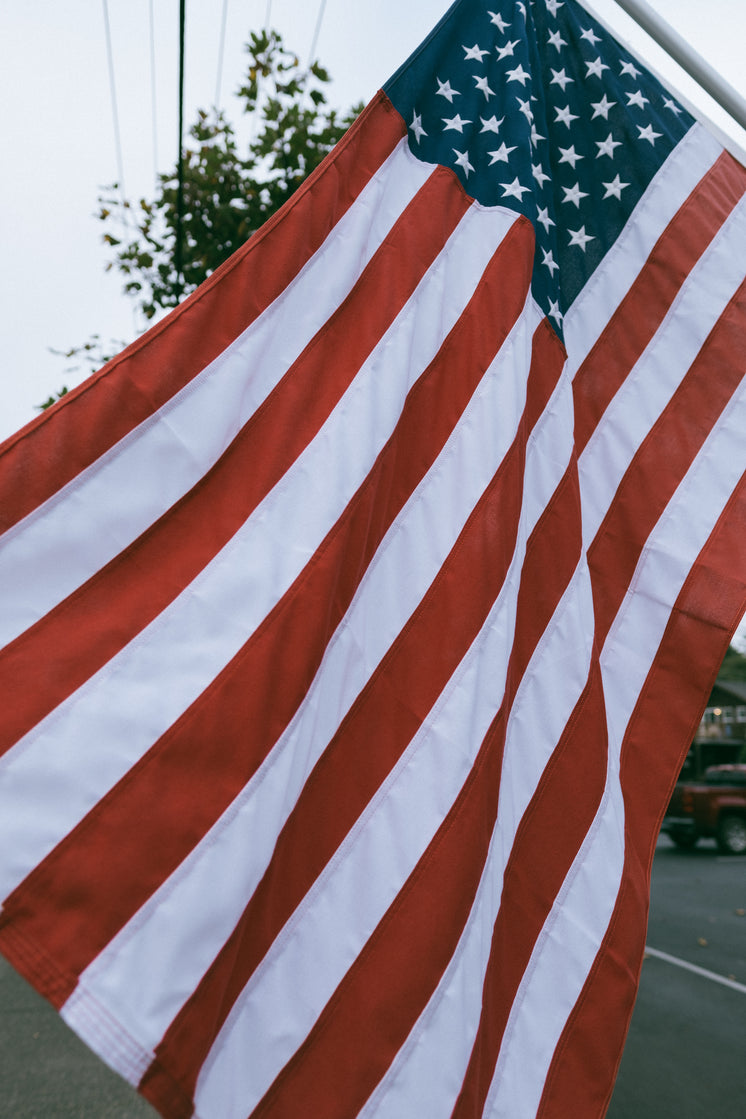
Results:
[732, 835]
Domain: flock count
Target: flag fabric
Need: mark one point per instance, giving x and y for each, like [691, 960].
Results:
[358, 617]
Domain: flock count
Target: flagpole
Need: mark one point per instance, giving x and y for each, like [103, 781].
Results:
[688, 59]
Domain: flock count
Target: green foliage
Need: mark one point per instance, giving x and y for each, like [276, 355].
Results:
[52, 399]
[94, 353]
[734, 665]
[227, 195]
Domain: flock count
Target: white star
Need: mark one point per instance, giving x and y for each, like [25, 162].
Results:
[518, 75]
[525, 108]
[555, 312]
[476, 53]
[615, 188]
[631, 69]
[455, 124]
[606, 147]
[543, 217]
[596, 67]
[550, 262]
[559, 77]
[491, 125]
[522, 8]
[569, 155]
[535, 137]
[508, 49]
[672, 105]
[564, 116]
[501, 155]
[552, 6]
[556, 40]
[462, 159]
[514, 190]
[417, 128]
[574, 194]
[636, 98]
[591, 36]
[482, 84]
[601, 108]
[539, 176]
[444, 90]
[580, 237]
[498, 21]
[648, 134]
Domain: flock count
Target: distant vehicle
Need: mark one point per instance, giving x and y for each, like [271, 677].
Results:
[713, 807]
[712, 751]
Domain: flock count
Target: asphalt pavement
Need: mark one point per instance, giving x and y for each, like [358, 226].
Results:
[684, 1057]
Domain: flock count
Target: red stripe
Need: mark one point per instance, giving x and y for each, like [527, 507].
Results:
[650, 297]
[54, 448]
[101, 617]
[232, 726]
[662, 461]
[545, 846]
[378, 1002]
[705, 616]
[368, 744]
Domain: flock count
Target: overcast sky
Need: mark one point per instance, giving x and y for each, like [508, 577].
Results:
[58, 135]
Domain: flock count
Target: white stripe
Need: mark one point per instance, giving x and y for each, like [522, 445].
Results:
[661, 369]
[161, 672]
[285, 996]
[65, 541]
[430, 1067]
[130, 974]
[607, 287]
[570, 940]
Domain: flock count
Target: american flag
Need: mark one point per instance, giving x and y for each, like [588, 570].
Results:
[359, 616]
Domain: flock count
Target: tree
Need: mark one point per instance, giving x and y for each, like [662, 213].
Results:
[734, 665]
[226, 196]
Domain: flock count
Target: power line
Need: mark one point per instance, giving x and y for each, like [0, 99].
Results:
[179, 246]
[117, 137]
[115, 111]
[221, 52]
[317, 31]
[154, 106]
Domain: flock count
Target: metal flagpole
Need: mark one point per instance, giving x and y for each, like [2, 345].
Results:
[688, 59]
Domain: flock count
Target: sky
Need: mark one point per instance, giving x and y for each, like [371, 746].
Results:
[59, 149]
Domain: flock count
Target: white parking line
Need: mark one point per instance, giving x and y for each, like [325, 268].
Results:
[732, 983]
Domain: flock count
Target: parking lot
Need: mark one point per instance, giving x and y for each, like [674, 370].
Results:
[684, 1054]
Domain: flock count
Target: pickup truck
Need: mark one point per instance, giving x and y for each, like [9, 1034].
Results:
[713, 806]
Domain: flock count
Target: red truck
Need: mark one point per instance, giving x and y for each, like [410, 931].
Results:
[713, 806]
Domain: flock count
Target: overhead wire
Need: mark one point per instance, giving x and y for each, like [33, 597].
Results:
[115, 112]
[254, 118]
[153, 96]
[317, 32]
[126, 216]
[312, 51]
[179, 244]
[221, 54]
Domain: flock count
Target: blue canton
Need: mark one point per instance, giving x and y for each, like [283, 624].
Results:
[537, 108]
